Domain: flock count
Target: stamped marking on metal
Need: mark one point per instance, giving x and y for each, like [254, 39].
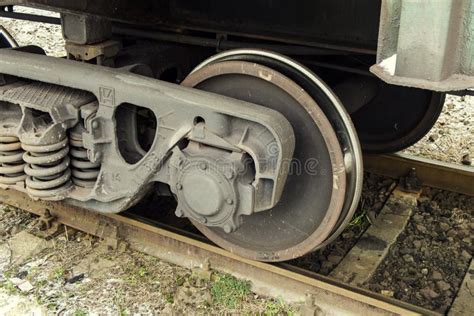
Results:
[107, 96]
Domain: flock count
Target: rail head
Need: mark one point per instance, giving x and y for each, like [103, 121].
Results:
[432, 173]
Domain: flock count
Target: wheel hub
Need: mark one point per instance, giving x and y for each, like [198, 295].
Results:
[213, 187]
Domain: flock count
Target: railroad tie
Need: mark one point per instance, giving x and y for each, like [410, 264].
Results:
[362, 260]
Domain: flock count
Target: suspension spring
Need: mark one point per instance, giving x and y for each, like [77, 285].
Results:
[84, 172]
[47, 169]
[12, 165]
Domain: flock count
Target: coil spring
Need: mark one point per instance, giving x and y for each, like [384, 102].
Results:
[84, 172]
[11, 161]
[47, 169]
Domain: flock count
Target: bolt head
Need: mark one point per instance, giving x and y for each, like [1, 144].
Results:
[203, 166]
[179, 186]
[179, 213]
[229, 174]
[309, 300]
[227, 228]
[230, 201]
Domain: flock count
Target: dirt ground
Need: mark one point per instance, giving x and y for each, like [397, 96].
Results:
[76, 274]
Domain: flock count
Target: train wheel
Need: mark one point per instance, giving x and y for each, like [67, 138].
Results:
[324, 184]
[396, 118]
[6, 40]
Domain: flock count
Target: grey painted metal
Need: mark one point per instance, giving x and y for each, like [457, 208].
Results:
[426, 44]
[211, 185]
[67, 93]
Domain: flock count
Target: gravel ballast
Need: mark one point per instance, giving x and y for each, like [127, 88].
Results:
[47, 36]
[430, 258]
[452, 137]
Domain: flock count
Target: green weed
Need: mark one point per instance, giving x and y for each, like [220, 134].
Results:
[228, 291]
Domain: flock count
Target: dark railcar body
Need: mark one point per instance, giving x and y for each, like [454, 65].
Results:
[344, 24]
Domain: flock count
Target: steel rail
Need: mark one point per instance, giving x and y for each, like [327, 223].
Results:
[272, 280]
[432, 173]
[284, 265]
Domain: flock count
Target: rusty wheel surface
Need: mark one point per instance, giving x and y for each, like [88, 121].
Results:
[313, 205]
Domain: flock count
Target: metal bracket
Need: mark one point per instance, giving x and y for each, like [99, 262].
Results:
[48, 225]
[88, 52]
[421, 46]
[411, 183]
[109, 233]
[310, 308]
[85, 29]
[203, 272]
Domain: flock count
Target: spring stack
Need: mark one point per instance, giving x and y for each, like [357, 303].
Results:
[84, 172]
[47, 169]
[11, 161]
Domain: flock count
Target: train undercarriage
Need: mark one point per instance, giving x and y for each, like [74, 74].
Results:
[257, 132]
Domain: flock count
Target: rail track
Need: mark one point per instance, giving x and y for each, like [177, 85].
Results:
[332, 295]
[437, 174]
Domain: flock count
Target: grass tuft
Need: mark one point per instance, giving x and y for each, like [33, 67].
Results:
[80, 312]
[360, 217]
[228, 291]
[277, 308]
